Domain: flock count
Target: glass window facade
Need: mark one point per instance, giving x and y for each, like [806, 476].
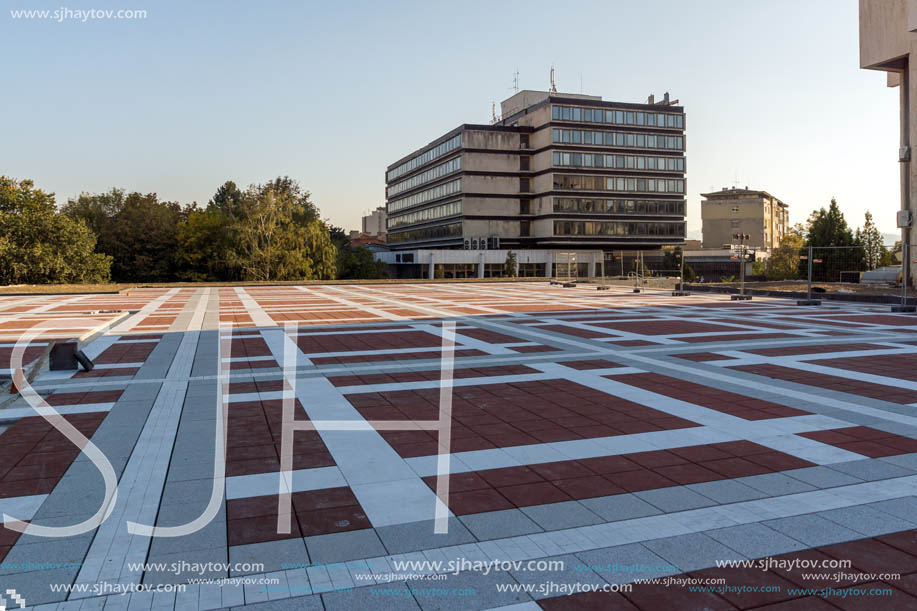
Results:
[427, 214]
[621, 162]
[443, 190]
[453, 165]
[619, 206]
[618, 117]
[618, 139]
[619, 228]
[439, 232]
[426, 157]
[573, 182]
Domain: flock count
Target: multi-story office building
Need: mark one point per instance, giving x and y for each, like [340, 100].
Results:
[888, 38]
[760, 215]
[556, 171]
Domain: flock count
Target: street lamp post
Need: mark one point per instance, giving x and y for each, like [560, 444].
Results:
[742, 238]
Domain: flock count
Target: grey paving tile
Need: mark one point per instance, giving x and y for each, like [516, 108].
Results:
[775, 484]
[485, 594]
[33, 585]
[200, 557]
[301, 603]
[822, 477]
[273, 555]
[867, 520]
[813, 530]
[574, 571]
[870, 469]
[499, 524]
[904, 508]
[907, 461]
[625, 563]
[693, 551]
[727, 491]
[755, 540]
[676, 498]
[620, 507]
[350, 545]
[212, 535]
[557, 516]
[401, 538]
[365, 598]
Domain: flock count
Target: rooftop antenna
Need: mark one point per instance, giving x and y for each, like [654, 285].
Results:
[553, 84]
[516, 81]
[493, 111]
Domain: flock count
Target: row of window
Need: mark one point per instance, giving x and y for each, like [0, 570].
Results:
[618, 183]
[618, 117]
[648, 141]
[619, 206]
[436, 192]
[627, 162]
[453, 165]
[427, 233]
[618, 228]
[428, 156]
[427, 214]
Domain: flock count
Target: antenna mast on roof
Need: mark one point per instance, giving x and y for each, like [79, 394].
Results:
[553, 84]
[515, 86]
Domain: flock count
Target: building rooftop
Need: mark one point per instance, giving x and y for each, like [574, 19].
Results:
[731, 192]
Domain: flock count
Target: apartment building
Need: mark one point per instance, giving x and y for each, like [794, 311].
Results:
[760, 215]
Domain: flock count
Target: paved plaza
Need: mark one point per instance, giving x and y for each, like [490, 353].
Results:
[629, 436]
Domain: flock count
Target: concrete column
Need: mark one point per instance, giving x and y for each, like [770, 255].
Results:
[481, 266]
[591, 268]
[549, 265]
[431, 273]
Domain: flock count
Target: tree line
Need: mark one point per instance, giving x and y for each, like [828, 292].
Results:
[851, 251]
[267, 232]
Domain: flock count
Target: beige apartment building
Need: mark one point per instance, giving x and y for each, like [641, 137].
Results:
[374, 223]
[760, 215]
[888, 38]
[554, 171]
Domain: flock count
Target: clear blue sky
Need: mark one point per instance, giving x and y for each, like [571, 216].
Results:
[330, 93]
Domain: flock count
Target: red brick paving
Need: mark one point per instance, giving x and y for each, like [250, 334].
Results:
[703, 357]
[504, 415]
[817, 349]
[125, 353]
[865, 440]
[591, 364]
[903, 366]
[819, 380]
[740, 337]
[403, 356]
[491, 337]
[254, 439]
[431, 375]
[895, 553]
[723, 401]
[496, 489]
[34, 455]
[316, 512]
[343, 342]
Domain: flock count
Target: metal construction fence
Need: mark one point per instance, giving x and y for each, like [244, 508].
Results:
[874, 273]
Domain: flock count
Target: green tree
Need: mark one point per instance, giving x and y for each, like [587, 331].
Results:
[138, 231]
[354, 262]
[828, 228]
[509, 266]
[783, 262]
[205, 246]
[871, 240]
[278, 235]
[39, 245]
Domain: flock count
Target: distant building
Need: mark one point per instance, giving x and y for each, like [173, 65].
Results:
[756, 213]
[555, 172]
[374, 222]
[887, 41]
